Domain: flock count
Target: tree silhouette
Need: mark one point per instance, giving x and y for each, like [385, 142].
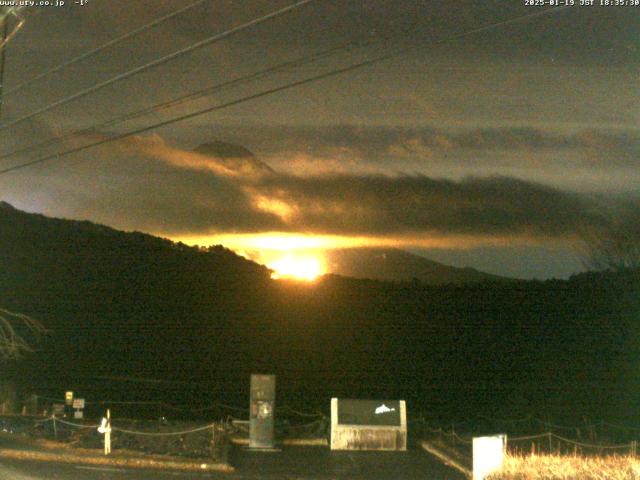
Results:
[615, 247]
[13, 329]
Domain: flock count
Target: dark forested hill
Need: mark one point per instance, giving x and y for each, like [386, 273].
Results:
[398, 265]
[201, 320]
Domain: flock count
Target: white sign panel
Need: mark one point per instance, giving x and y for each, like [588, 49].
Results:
[488, 455]
[78, 403]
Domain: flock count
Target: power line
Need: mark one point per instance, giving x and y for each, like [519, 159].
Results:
[157, 62]
[111, 43]
[280, 88]
[193, 96]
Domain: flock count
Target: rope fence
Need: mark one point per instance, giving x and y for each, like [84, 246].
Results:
[183, 438]
[292, 423]
[569, 441]
[586, 436]
[555, 444]
[285, 409]
[452, 435]
[55, 419]
[591, 437]
[529, 422]
[164, 434]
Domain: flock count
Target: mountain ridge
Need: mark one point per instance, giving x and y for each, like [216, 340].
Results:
[129, 305]
[392, 264]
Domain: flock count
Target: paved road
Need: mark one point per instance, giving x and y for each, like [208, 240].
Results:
[323, 464]
[32, 470]
[310, 463]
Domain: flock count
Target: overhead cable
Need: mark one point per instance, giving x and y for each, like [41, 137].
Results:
[104, 46]
[300, 61]
[271, 91]
[157, 62]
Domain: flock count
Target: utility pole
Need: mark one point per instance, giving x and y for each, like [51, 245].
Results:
[6, 37]
[3, 42]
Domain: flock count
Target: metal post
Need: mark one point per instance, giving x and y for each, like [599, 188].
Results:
[5, 32]
[55, 427]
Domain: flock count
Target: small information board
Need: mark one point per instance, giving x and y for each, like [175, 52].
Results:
[369, 412]
[68, 398]
[368, 424]
[78, 403]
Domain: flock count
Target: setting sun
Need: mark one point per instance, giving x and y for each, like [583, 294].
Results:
[297, 267]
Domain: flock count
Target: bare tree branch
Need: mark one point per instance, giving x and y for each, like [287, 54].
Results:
[13, 327]
[615, 246]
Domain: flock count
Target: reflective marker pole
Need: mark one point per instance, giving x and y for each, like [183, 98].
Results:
[105, 427]
[107, 434]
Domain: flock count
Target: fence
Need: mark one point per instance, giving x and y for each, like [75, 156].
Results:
[599, 435]
[149, 408]
[186, 438]
[173, 438]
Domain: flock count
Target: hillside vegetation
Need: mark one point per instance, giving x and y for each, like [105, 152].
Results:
[192, 323]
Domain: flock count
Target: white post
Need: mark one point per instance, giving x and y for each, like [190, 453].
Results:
[107, 434]
[488, 455]
[334, 423]
[105, 427]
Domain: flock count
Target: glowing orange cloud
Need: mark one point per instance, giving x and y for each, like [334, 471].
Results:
[286, 241]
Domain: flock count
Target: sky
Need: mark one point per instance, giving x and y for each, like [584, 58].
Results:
[493, 136]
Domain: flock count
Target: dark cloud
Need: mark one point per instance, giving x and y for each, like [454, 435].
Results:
[382, 205]
[446, 111]
[581, 34]
[145, 184]
[139, 185]
[382, 144]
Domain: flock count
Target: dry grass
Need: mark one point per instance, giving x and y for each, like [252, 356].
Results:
[557, 467]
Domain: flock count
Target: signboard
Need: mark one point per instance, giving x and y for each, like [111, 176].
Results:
[68, 398]
[261, 411]
[79, 414]
[488, 455]
[368, 424]
[78, 403]
[369, 412]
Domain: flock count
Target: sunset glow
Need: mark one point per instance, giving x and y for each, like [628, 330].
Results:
[305, 256]
[297, 267]
[278, 242]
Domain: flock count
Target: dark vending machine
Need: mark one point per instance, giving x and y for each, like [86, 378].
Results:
[261, 410]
